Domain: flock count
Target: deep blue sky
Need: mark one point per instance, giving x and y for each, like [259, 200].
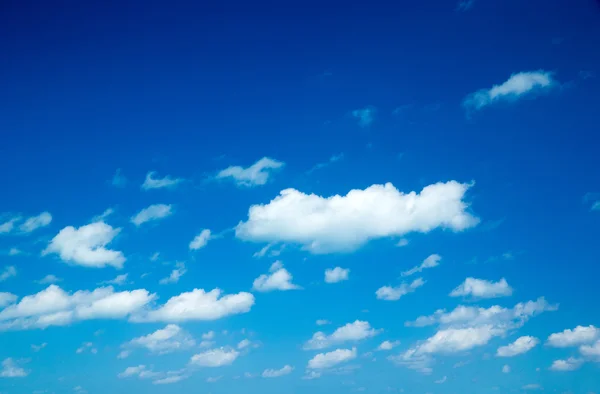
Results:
[188, 90]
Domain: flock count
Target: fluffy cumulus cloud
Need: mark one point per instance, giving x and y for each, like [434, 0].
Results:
[278, 279]
[153, 182]
[55, 307]
[517, 86]
[479, 288]
[200, 240]
[388, 345]
[35, 222]
[215, 358]
[519, 346]
[430, 262]
[87, 246]
[351, 332]
[389, 293]
[569, 364]
[198, 304]
[10, 369]
[152, 213]
[256, 175]
[166, 340]
[344, 223]
[580, 335]
[591, 351]
[275, 373]
[331, 359]
[337, 274]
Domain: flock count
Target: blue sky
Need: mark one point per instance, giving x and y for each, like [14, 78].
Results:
[378, 198]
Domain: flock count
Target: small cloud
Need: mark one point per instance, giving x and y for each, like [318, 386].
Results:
[86, 346]
[332, 159]
[151, 213]
[532, 387]
[365, 116]
[159, 183]
[200, 240]
[175, 275]
[8, 272]
[402, 242]
[37, 348]
[336, 274]
[275, 373]
[278, 279]
[256, 175]
[33, 223]
[119, 280]
[465, 5]
[480, 288]
[506, 369]
[570, 364]
[322, 322]
[431, 261]
[442, 380]
[103, 215]
[49, 279]
[14, 252]
[119, 180]
[388, 293]
[388, 345]
[10, 369]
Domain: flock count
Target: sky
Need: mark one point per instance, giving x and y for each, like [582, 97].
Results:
[381, 197]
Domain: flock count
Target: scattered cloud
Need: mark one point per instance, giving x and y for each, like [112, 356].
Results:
[580, 335]
[430, 262]
[365, 116]
[169, 339]
[257, 174]
[8, 272]
[215, 358]
[49, 279]
[159, 183]
[198, 305]
[275, 373]
[10, 369]
[86, 246]
[200, 240]
[479, 288]
[153, 212]
[177, 273]
[570, 364]
[331, 359]
[351, 332]
[9, 225]
[278, 279]
[87, 346]
[336, 274]
[517, 86]
[344, 223]
[388, 293]
[388, 345]
[140, 371]
[119, 280]
[519, 346]
[506, 369]
[33, 223]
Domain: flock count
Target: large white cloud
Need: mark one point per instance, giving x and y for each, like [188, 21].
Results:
[388, 293]
[430, 262]
[517, 86]
[256, 175]
[215, 358]
[199, 305]
[519, 346]
[331, 359]
[480, 288]
[151, 213]
[166, 340]
[344, 223]
[278, 279]
[580, 335]
[87, 246]
[351, 332]
[55, 307]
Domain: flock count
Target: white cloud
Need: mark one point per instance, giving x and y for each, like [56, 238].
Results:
[430, 262]
[336, 274]
[85, 346]
[479, 288]
[388, 293]
[454, 340]
[365, 116]
[570, 364]
[10, 369]
[49, 279]
[309, 375]
[35, 222]
[200, 240]
[350, 332]
[199, 305]
[175, 274]
[141, 371]
[159, 183]
[8, 272]
[170, 379]
[37, 348]
[278, 279]
[55, 307]
[9, 225]
[153, 212]
[166, 340]
[592, 351]
[344, 223]
[331, 359]
[506, 369]
[215, 357]
[517, 86]
[256, 175]
[243, 344]
[580, 335]
[14, 252]
[442, 380]
[388, 345]
[119, 280]
[123, 354]
[322, 322]
[101, 218]
[86, 246]
[275, 373]
[519, 346]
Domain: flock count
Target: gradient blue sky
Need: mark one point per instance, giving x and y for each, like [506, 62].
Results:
[486, 109]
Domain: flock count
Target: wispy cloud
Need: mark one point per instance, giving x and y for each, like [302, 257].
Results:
[332, 159]
[151, 182]
[119, 180]
[256, 175]
[365, 116]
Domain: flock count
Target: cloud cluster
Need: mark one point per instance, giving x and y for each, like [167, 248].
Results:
[344, 223]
